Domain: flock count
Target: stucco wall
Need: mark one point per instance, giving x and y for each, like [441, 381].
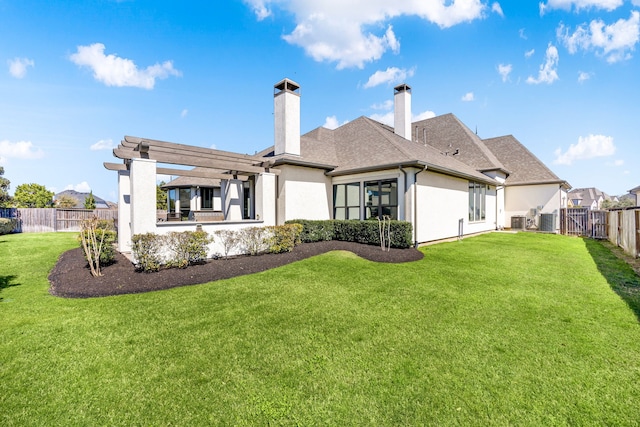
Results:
[303, 193]
[444, 200]
[520, 199]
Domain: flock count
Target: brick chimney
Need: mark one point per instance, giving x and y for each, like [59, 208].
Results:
[402, 111]
[286, 105]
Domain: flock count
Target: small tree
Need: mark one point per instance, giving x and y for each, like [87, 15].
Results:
[33, 196]
[5, 199]
[65, 201]
[97, 238]
[161, 197]
[90, 201]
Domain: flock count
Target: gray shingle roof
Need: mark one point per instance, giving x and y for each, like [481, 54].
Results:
[366, 145]
[524, 166]
[80, 198]
[448, 134]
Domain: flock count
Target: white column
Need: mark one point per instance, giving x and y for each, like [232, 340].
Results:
[124, 211]
[265, 198]
[232, 199]
[143, 196]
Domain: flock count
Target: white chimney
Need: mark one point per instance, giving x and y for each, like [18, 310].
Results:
[402, 111]
[286, 105]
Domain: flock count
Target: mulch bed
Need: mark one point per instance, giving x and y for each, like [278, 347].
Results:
[71, 277]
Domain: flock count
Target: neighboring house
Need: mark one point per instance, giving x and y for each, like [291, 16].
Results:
[635, 193]
[590, 198]
[80, 198]
[435, 173]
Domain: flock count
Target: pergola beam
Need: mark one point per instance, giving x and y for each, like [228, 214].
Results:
[192, 173]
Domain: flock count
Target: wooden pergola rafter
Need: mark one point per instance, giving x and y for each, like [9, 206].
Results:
[210, 163]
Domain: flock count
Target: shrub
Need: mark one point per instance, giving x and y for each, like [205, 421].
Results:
[315, 230]
[146, 249]
[353, 230]
[253, 239]
[187, 248]
[283, 238]
[229, 239]
[7, 225]
[97, 238]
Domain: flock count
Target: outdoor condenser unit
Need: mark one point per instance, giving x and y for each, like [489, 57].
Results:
[547, 222]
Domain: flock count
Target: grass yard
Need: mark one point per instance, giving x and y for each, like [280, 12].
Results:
[500, 329]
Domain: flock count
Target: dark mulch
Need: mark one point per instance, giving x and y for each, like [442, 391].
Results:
[71, 277]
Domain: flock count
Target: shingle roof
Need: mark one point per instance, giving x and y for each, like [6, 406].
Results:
[524, 166]
[448, 134]
[366, 145]
[80, 198]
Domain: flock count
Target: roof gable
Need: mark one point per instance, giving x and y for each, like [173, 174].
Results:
[524, 166]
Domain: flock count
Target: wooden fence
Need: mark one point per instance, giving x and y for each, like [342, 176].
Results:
[584, 222]
[39, 220]
[620, 226]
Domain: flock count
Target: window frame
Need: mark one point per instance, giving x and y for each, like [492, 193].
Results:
[477, 201]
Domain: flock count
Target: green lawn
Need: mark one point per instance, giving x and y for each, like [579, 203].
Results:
[500, 329]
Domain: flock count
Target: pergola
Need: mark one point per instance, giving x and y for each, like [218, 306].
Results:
[137, 181]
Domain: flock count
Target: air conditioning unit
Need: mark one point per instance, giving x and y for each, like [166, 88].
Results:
[548, 222]
[518, 222]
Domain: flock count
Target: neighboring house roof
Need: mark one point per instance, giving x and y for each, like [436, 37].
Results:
[591, 196]
[635, 189]
[366, 145]
[525, 168]
[80, 197]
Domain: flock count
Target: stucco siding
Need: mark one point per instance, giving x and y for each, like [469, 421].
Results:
[303, 193]
[442, 202]
[545, 198]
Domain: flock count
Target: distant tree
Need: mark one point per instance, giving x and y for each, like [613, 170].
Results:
[90, 201]
[33, 196]
[606, 204]
[161, 197]
[624, 203]
[65, 201]
[5, 198]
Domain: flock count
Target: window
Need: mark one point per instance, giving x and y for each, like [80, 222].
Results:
[246, 200]
[477, 201]
[184, 195]
[346, 201]
[211, 199]
[382, 199]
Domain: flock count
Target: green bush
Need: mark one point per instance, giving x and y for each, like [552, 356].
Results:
[7, 225]
[314, 230]
[96, 239]
[146, 249]
[353, 230]
[187, 248]
[283, 238]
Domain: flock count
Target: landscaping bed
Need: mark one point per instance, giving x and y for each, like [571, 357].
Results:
[71, 277]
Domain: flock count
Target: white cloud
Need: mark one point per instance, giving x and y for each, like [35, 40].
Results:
[345, 32]
[613, 41]
[103, 144]
[18, 66]
[184, 113]
[83, 187]
[496, 8]
[548, 72]
[586, 148]
[115, 71]
[19, 150]
[331, 122]
[391, 75]
[529, 53]
[522, 34]
[422, 116]
[583, 76]
[468, 97]
[579, 5]
[505, 70]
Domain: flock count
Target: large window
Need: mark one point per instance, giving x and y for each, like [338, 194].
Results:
[382, 199]
[346, 201]
[477, 201]
[247, 211]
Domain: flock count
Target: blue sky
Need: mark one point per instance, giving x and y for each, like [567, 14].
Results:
[562, 76]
